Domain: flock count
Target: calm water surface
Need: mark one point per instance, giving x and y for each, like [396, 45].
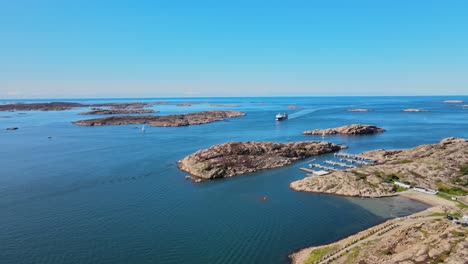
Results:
[114, 195]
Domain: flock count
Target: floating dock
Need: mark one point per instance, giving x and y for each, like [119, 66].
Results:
[341, 164]
[322, 167]
[314, 172]
[352, 156]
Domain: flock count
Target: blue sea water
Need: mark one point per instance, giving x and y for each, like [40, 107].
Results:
[113, 194]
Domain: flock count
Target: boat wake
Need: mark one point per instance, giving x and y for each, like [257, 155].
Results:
[309, 111]
[302, 113]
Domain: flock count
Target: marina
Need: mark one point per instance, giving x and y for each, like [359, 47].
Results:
[341, 164]
[326, 168]
[352, 156]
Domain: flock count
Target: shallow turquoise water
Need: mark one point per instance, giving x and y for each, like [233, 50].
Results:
[114, 195]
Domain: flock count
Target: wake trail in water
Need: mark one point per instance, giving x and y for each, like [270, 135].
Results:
[302, 113]
[309, 111]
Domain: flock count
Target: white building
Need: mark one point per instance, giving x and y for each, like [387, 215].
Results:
[403, 185]
[425, 190]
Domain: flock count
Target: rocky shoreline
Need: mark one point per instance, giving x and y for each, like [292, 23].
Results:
[62, 106]
[425, 237]
[196, 118]
[353, 129]
[118, 111]
[431, 166]
[53, 106]
[236, 158]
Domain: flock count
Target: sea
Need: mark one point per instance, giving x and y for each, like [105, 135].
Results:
[113, 194]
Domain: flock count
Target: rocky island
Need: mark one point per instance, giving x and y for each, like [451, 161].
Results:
[118, 111]
[436, 166]
[61, 106]
[359, 110]
[163, 121]
[353, 129]
[425, 237]
[414, 110]
[235, 158]
[453, 101]
[53, 106]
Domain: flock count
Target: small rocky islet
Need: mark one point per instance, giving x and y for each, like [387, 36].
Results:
[196, 118]
[414, 110]
[353, 129]
[236, 158]
[359, 110]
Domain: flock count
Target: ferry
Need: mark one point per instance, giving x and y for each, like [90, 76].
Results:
[281, 117]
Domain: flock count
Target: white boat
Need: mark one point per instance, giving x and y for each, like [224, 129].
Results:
[280, 117]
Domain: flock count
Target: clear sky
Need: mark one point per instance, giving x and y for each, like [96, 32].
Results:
[64, 49]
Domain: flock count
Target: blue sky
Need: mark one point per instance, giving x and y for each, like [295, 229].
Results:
[156, 48]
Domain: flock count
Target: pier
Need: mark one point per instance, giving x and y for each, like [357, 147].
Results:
[341, 164]
[313, 165]
[352, 156]
[314, 172]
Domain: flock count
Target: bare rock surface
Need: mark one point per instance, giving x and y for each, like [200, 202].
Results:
[53, 106]
[436, 166]
[163, 121]
[124, 105]
[353, 129]
[235, 158]
[453, 101]
[118, 111]
[425, 237]
[61, 106]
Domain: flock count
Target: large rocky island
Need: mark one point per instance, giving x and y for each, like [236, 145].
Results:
[235, 158]
[162, 121]
[118, 111]
[353, 129]
[62, 106]
[425, 237]
[53, 106]
[435, 166]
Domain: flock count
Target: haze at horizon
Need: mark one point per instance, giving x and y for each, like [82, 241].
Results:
[57, 49]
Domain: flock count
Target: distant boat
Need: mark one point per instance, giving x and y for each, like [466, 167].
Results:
[281, 117]
[143, 129]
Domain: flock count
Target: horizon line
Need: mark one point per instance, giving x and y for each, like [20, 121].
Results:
[267, 96]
